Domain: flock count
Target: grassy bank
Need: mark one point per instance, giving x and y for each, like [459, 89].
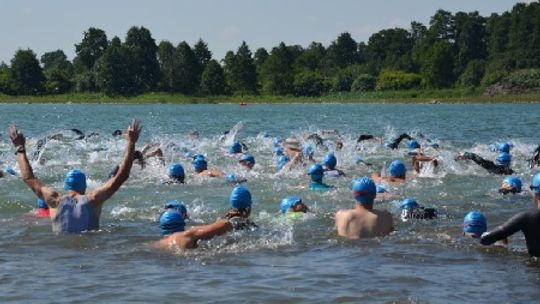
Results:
[409, 96]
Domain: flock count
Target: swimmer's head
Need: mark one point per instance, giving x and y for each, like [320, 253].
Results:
[397, 169]
[177, 205]
[511, 184]
[196, 156]
[235, 148]
[503, 159]
[292, 204]
[247, 160]
[278, 151]
[504, 147]
[413, 144]
[535, 184]
[75, 181]
[10, 171]
[240, 198]
[330, 161]
[41, 204]
[171, 221]
[474, 224]
[277, 141]
[176, 171]
[364, 190]
[282, 161]
[117, 133]
[200, 164]
[308, 151]
[409, 204]
[316, 172]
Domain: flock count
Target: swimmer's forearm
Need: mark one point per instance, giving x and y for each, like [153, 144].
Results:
[26, 169]
[127, 162]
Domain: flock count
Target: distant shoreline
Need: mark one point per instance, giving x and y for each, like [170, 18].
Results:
[416, 96]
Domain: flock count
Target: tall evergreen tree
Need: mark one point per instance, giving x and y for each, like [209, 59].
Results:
[213, 79]
[143, 51]
[240, 71]
[438, 65]
[276, 73]
[92, 47]
[25, 74]
[186, 71]
[114, 70]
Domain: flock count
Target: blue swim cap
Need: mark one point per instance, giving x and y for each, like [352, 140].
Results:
[198, 156]
[514, 182]
[308, 151]
[474, 222]
[535, 184]
[316, 172]
[236, 147]
[397, 169]
[75, 181]
[175, 204]
[240, 198]
[289, 202]
[503, 159]
[282, 161]
[200, 164]
[265, 134]
[176, 170]
[41, 204]
[248, 158]
[10, 171]
[413, 144]
[504, 148]
[364, 190]
[277, 141]
[330, 161]
[381, 189]
[278, 151]
[409, 204]
[171, 221]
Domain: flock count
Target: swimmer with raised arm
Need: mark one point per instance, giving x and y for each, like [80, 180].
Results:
[418, 156]
[500, 166]
[363, 221]
[76, 211]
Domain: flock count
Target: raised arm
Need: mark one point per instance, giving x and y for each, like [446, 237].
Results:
[48, 194]
[105, 191]
[511, 226]
[209, 231]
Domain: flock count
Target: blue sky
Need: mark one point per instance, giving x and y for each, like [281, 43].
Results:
[45, 26]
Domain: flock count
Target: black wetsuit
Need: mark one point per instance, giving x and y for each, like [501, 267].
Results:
[527, 221]
[365, 137]
[535, 160]
[420, 213]
[488, 165]
[396, 141]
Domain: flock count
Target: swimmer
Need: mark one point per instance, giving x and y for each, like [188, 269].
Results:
[394, 144]
[235, 148]
[137, 156]
[292, 204]
[316, 138]
[510, 184]
[527, 221]
[283, 163]
[500, 166]
[6, 171]
[179, 206]
[397, 172]
[77, 211]
[237, 218]
[147, 153]
[411, 210]
[201, 168]
[316, 173]
[43, 210]
[474, 224]
[247, 161]
[504, 147]
[364, 137]
[418, 156]
[363, 221]
[535, 159]
[308, 153]
[176, 174]
[330, 162]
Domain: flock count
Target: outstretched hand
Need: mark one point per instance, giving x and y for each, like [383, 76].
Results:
[17, 138]
[133, 131]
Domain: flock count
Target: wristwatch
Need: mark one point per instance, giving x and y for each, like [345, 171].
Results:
[20, 149]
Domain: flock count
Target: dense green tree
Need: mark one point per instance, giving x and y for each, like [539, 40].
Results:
[58, 72]
[260, 56]
[441, 26]
[438, 65]
[308, 83]
[473, 73]
[186, 80]
[4, 78]
[276, 73]
[240, 71]
[168, 61]
[203, 55]
[114, 70]
[524, 35]
[25, 74]
[390, 49]
[143, 51]
[364, 83]
[91, 48]
[213, 79]
[397, 80]
[470, 39]
[311, 59]
[343, 51]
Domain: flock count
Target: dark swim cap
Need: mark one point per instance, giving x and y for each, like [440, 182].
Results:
[75, 181]
[503, 159]
[288, 203]
[236, 147]
[474, 222]
[364, 190]
[240, 198]
[316, 172]
[176, 171]
[397, 169]
[171, 221]
[330, 161]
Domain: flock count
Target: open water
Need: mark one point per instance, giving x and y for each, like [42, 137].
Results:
[284, 261]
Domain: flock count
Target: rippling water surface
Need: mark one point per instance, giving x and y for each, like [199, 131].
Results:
[284, 261]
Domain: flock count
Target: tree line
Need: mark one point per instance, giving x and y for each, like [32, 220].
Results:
[455, 50]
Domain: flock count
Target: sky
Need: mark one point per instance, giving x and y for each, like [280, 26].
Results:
[45, 26]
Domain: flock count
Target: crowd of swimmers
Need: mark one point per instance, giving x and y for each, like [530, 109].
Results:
[79, 210]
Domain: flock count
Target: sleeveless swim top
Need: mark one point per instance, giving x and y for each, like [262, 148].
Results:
[241, 223]
[75, 215]
[318, 186]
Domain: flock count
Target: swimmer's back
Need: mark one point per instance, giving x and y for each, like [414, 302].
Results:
[356, 224]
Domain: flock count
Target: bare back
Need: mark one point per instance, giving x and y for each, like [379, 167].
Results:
[363, 223]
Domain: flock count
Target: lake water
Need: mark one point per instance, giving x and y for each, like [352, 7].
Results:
[284, 261]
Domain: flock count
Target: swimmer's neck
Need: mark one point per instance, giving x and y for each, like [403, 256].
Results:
[363, 207]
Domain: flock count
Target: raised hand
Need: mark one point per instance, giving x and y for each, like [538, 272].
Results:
[17, 138]
[133, 130]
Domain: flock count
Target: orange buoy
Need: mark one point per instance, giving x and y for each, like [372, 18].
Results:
[243, 103]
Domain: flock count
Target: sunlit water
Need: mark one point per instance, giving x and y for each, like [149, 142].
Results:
[284, 261]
